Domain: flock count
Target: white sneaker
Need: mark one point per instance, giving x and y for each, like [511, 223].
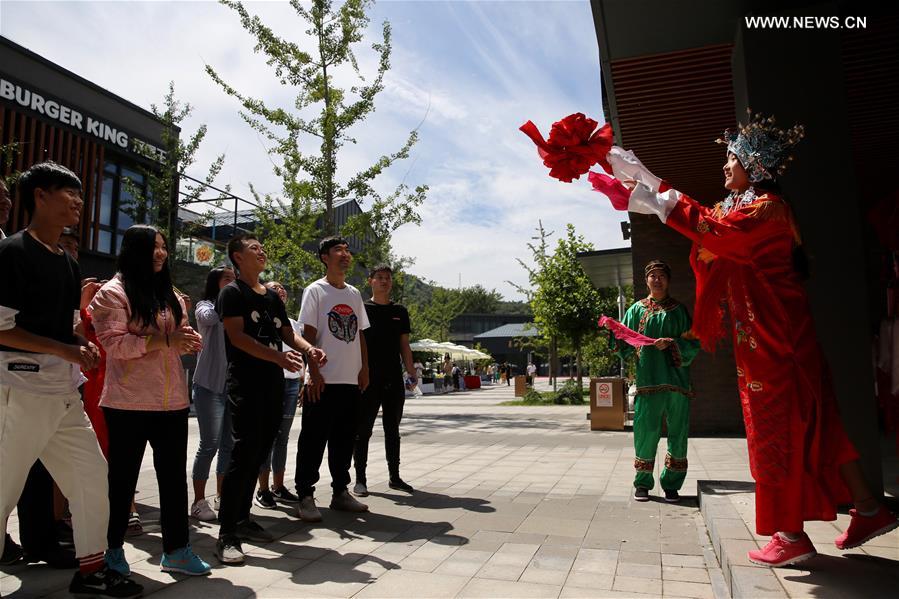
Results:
[202, 512]
[360, 490]
[307, 510]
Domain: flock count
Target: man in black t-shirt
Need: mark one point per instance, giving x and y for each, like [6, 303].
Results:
[40, 355]
[256, 324]
[388, 341]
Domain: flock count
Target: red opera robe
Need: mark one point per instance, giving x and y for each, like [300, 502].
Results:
[743, 263]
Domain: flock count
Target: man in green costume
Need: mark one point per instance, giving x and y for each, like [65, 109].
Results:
[663, 382]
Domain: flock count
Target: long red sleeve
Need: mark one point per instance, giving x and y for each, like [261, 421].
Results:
[737, 235]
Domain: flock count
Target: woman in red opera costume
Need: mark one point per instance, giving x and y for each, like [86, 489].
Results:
[744, 254]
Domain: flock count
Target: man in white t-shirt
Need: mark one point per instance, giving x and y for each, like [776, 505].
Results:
[333, 317]
[532, 370]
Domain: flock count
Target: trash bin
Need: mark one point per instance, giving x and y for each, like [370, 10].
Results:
[608, 404]
[521, 385]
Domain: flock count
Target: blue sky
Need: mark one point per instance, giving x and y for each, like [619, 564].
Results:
[483, 67]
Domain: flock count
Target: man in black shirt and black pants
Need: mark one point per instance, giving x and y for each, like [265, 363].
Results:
[387, 340]
[256, 324]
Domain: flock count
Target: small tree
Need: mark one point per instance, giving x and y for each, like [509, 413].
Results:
[322, 113]
[477, 300]
[432, 319]
[565, 303]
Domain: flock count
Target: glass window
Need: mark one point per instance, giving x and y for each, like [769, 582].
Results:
[136, 178]
[118, 241]
[110, 167]
[104, 242]
[106, 201]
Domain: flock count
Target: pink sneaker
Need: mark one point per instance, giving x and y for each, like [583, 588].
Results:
[781, 552]
[864, 528]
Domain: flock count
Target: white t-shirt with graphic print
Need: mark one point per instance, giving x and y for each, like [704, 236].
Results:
[339, 318]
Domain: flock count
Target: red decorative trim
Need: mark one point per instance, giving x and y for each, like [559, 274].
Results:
[675, 464]
[641, 465]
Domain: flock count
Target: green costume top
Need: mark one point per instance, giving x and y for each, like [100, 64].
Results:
[660, 371]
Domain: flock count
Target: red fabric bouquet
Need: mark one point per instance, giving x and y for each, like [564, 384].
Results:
[574, 145]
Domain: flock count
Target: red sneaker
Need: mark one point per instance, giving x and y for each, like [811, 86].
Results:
[781, 552]
[864, 528]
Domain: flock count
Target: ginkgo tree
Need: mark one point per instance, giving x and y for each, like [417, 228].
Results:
[305, 138]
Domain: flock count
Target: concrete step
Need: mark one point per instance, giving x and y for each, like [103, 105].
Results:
[731, 540]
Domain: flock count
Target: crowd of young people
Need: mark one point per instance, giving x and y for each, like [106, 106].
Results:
[92, 373]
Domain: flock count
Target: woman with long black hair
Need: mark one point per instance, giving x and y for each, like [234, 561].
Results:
[142, 325]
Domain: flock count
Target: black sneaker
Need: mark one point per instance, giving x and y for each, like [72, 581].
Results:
[265, 500]
[284, 496]
[400, 485]
[251, 531]
[12, 552]
[641, 494]
[229, 550]
[672, 496]
[105, 583]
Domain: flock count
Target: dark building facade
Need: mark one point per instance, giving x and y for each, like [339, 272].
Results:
[504, 345]
[670, 95]
[50, 113]
[465, 327]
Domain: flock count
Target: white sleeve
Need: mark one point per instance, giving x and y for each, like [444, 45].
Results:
[643, 200]
[626, 165]
[309, 307]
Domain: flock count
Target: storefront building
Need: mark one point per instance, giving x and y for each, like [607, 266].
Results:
[50, 113]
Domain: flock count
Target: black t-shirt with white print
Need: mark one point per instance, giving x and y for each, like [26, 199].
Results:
[263, 316]
[40, 293]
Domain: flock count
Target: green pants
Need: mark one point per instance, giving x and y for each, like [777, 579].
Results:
[649, 410]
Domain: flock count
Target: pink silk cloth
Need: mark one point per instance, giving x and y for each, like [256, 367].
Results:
[625, 334]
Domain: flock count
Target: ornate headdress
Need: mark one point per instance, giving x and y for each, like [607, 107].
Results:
[762, 148]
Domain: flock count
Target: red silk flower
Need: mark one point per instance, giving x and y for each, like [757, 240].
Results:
[617, 193]
[574, 145]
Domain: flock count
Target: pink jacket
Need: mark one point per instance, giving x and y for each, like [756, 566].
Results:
[136, 379]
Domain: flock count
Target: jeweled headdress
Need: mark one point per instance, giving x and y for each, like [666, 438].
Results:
[762, 148]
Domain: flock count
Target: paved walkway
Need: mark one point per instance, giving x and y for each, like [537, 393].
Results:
[511, 502]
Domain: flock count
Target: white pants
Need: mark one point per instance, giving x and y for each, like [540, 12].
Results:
[55, 430]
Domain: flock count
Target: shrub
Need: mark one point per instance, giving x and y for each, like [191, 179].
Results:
[532, 396]
[569, 394]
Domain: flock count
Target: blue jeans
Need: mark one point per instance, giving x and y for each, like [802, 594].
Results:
[214, 419]
[277, 458]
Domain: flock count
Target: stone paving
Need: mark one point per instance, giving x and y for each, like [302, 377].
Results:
[509, 502]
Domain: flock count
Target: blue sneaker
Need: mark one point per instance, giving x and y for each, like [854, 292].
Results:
[185, 561]
[115, 560]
